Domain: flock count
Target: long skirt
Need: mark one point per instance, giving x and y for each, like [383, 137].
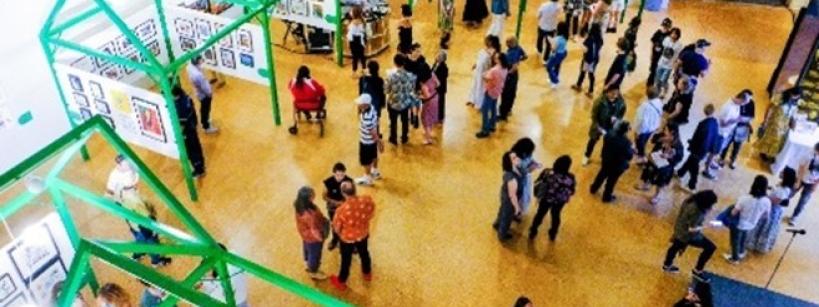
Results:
[763, 237]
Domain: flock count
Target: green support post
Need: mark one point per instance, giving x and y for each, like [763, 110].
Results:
[521, 9]
[271, 67]
[160, 12]
[73, 282]
[339, 36]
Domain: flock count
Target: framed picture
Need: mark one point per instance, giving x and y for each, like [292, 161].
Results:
[112, 72]
[42, 285]
[7, 287]
[149, 119]
[210, 56]
[136, 57]
[281, 8]
[227, 41]
[76, 84]
[34, 252]
[102, 106]
[228, 58]
[187, 44]
[85, 114]
[203, 29]
[317, 10]
[245, 41]
[246, 60]
[18, 301]
[81, 100]
[109, 121]
[153, 46]
[124, 45]
[184, 27]
[85, 63]
[146, 30]
[96, 89]
[109, 48]
[298, 7]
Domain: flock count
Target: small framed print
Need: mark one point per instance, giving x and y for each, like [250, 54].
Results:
[81, 100]
[112, 72]
[228, 58]
[245, 40]
[146, 30]
[184, 28]
[149, 118]
[203, 29]
[154, 47]
[85, 114]
[76, 84]
[133, 57]
[246, 60]
[109, 121]
[227, 41]
[102, 107]
[210, 56]
[96, 89]
[187, 44]
[124, 45]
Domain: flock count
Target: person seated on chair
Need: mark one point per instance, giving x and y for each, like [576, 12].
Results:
[308, 95]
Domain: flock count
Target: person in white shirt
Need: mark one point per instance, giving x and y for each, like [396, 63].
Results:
[671, 50]
[808, 175]
[615, 10]
[647, 121]
[750, 209]
[729, 116]
[548, 15]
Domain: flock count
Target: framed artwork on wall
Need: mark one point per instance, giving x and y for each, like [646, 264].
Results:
[34, 252]
[187, 44]
[85, 114]
[153, 46]
[246, 60]
[124, 45]
[149, 118]
[7, 287]
[76, 83]
[81, 100]
[317, 10]
[136, 57]
[146, 30]
[203, 29]
[210, 56]
[184, 27]
[112, 72]
[17, 301]
[42, 285]
[228, 58]
[95, 89]
[245, 41]
[102, 106]
[227, 41]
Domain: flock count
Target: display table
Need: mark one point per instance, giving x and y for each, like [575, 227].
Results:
[798, 148]
[378, 36]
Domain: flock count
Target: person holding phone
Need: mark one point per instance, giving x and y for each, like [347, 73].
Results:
[688, 232]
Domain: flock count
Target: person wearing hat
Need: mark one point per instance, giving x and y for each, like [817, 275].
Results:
[203, 91]
[657, 48]
[369, 142]
[692, 62]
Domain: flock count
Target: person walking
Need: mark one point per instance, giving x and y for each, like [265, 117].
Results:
[313, 228]
[475, 11]
[370, 143]
[352, 222]
[657, 40]
[617, 71]
[510, 193]
[553, 189]
[441, 71]
[671, 48]
[808, 175]
[659, 168]
[700, 144]
[778, 121]
[616, 154]
[750, 209]
[332, 195]
[308, 95]
[514, 56]
[607, 110]
[493, 79]
[647, 121]
[400, 88]
[574, 9]
[548, 15]
[593, 43]
[204, 92]
[372, 84]
[763, 237]
[187, 121]
[729, 116]
[688, 232]
[741, 133]
[482, 64]
[499, 10]
[558, 54]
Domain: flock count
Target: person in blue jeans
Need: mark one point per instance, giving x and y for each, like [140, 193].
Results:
[510, 193]
[558, 53]
[494, 80]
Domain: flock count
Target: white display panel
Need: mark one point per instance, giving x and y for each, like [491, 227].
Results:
[317, 13]
[34, 262]
[137, 115]
[240, 54]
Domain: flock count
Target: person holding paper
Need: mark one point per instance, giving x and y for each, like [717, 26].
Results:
[659, 169]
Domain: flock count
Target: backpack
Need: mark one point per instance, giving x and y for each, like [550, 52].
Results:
[541, 186]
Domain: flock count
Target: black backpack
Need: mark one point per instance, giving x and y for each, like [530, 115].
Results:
[541, 186]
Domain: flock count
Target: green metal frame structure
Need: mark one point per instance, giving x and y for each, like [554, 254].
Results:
[197, 244]
[160, 74]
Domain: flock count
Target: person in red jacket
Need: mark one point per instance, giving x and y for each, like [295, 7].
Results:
[308, 95]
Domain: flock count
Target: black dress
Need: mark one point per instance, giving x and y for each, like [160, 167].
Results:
[404, 39]
[475, 11]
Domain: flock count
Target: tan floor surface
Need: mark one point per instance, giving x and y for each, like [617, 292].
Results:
[431, 240]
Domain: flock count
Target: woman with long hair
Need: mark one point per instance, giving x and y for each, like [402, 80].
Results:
[429, 108]
[313, 228]
[510, 193]
[308, 95]
[356, 37]
[763, 237]
[668, 152]
[405, 30]
[749, 209]
[593, 43]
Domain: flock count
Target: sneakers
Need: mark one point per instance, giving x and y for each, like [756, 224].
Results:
[317, 275]
[553, 85]
[164, 261]
[576, 88]
[671, 269]
[730, 258]
[792, 221]
[368, 277]
[481, 135]
[338, 284]
[708, 175]
[211, 130]
[585, 161]
[701, 276]
[375, 174]
[364, 180]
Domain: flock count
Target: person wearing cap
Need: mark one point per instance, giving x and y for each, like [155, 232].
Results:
[657, 48]
[692, 62]
[369, 142]
[204, 93]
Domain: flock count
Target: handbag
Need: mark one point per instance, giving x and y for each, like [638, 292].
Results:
[728, 219]
[742, 133]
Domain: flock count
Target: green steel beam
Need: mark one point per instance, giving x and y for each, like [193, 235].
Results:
[338, 36]
[521, 9]
[75, 20]
[164, 249]
[193, 278]
[224, 280]
[76, 273]
[70, 228]
[108, 57]
[52, 15]
[271, 68]
[10, 208]
[163, 25]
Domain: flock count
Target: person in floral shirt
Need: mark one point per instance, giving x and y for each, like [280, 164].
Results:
[553, 188]
[352, 223]
[401, 95]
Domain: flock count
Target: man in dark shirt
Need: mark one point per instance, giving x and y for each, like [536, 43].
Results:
[333, 196]
[616, 154]
[606, 110]
[514, 55]
[692, 62]
[657, 48]
[741, 133]
[186, 113]
[705, 137]
[617, 71]
[688, 231]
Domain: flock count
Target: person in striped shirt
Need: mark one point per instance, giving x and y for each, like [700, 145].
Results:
[369, 142]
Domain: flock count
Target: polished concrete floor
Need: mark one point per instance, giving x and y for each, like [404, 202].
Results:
[431, 239]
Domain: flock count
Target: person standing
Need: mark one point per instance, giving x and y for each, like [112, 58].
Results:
[417, 65]
[763, 237]
[615, 9]
[187, 120]
[553, 189]
[493, 79]
[573, 8]
[405, 30]
[558, 54]
[617, 71]
[659, 168]
[500, 10]
[482, 64]
[657, 47]
[510, 193]
[729, 116]
[352, 222]
[113, 295]
[548, 16]
[313, 228]
[592, 44]
[742, 132]
[616, 154]
[332, 195]
[779, 119]
[441, 71]
[429, 109]
[369, 142]
[693, 63]
[688, 232]
[524, 149]
[475, 11]
[606, 111]
[400, 88]
[647, 121]
[705, 137]
[372, 84]
[514, 56]
[203, 91]
[679, 105]
[671, 48]
[808, 175]
[750, 209]
[356, 37]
